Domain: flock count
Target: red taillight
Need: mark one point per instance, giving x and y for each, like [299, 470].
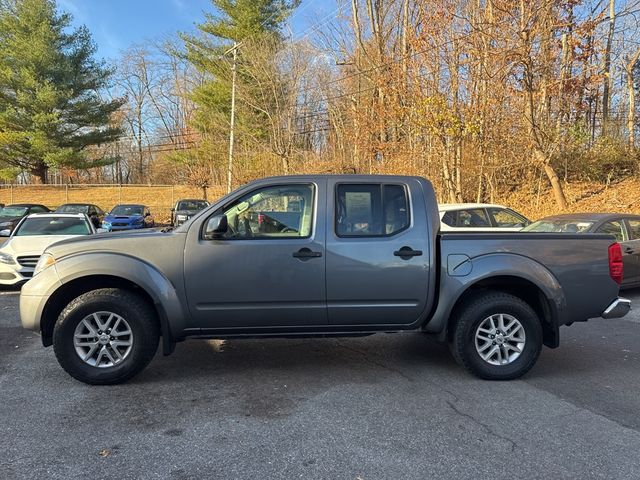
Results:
[616, 268]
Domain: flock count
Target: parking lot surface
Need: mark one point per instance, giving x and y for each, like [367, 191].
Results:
[385, 406]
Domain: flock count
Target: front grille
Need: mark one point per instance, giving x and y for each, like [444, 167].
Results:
[119, 224]
[28, 260]
[27, 274]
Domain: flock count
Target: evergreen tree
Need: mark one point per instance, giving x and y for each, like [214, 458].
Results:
[50, 83]
[245, 22]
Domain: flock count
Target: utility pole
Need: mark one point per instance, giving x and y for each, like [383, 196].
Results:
[232, 121]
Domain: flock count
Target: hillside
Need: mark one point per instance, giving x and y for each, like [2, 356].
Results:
[623, 196]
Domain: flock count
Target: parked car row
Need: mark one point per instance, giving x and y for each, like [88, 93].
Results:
[121, 217]
[32, 228]
[478, 217]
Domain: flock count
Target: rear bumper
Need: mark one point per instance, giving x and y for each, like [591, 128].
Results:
[618, 308]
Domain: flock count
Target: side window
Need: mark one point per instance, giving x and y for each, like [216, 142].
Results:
[476, 217]
[37, 209]
[634, 229]
[506, 218]
[371, 210]
[449, 218]
[284, 211]
[612, 228]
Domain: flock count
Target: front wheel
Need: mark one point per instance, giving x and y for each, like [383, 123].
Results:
[106, 336]
[496, 336]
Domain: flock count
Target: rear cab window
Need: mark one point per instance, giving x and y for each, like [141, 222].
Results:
[371, 210]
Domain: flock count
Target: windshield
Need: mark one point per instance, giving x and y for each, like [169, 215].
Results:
[566, 225]
[53, 226]
[13, 212]
[192, 205]
[73, 209]
[128, 210]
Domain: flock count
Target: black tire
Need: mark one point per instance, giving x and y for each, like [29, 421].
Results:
[140, 316]
[469, 317]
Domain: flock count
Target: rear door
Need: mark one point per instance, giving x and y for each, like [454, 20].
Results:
[269, 268]
[377, 253]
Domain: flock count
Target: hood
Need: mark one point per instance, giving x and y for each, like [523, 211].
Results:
[33, 244]
[123, 218]
[143, 241]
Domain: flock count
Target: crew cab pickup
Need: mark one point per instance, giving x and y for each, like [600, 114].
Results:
[351, 255]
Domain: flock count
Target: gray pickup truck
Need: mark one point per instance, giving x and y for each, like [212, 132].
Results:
[318, 256]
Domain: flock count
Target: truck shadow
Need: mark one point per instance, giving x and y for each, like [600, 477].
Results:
[368, 359]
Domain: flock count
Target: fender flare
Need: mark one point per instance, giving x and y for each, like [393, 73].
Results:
[154, 283]
[494, 265]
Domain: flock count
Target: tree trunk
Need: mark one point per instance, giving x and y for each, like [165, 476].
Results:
[631, 91]
[556, 186]
[40, 170]
[606, 90]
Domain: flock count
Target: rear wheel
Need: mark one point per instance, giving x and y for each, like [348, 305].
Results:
[496, 336]
[106, 336]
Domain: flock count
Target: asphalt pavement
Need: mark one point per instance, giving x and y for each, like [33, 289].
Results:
[380, 407]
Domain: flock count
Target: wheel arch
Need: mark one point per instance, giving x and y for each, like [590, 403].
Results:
[520, 287]
[516, 274]
[79, 285]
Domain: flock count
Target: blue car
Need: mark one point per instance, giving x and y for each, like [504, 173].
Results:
[128, 217]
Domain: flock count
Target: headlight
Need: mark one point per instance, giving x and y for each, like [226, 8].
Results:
[182, 218]
[6, 258]
[45, 261]
[5, 224]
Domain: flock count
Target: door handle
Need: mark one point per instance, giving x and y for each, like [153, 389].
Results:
[306, 253]
[628, 250]
[406, 253]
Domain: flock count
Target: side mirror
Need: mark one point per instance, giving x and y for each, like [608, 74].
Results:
[216, 227]
[173, 209]
[147, 214]
[5, 233]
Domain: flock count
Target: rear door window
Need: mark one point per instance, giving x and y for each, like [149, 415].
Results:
[365, 210]
[634, 229]
[613, 228]
[504, 218]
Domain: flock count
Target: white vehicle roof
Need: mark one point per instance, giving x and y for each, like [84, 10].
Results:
[447, 207]
[54, 214]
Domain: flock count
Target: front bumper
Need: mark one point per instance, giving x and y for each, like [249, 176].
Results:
[618, 308]
[34, 296]
[117, 228]
[14, 274]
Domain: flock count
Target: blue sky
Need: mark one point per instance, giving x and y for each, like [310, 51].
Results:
[116, 24]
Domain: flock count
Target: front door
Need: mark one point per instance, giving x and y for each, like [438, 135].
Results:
[268, 270]
[377, 253]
